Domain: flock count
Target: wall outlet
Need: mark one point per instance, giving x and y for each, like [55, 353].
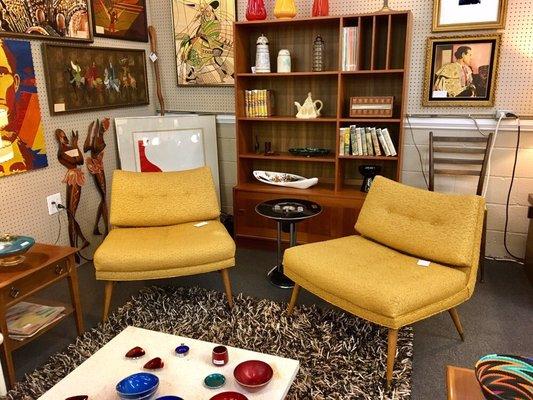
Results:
[503, 114]
[53, 198]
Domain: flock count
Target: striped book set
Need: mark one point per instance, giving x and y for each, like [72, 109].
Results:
[366, 141]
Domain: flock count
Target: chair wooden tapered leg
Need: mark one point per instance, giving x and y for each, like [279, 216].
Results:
[108, 292]
[482, 250]
[227, 286]
[294, 297]
[391, 353]
[457, 322]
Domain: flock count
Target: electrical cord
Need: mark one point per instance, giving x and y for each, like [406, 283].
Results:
[477, 126]
[59, 224]
[418, 150]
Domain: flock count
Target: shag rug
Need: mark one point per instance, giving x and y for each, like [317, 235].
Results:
[341, 356]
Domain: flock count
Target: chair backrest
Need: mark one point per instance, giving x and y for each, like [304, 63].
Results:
[475, 163]
[433, 226]
[162, 198]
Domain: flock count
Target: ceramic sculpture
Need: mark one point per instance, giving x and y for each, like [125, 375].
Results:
[309, 109]
[285, 9]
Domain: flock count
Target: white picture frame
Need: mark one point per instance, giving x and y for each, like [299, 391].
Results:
[465, 15]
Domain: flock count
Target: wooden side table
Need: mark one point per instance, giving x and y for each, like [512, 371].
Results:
[462, 384]
[43, 266]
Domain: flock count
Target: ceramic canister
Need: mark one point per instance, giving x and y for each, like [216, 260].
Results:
[262, 55]
[284, 61]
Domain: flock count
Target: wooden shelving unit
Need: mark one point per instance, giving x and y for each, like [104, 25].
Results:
[383, 53]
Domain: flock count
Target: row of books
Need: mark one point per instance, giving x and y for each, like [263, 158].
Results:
[258, 103]
[25, 319]
[349, 48]
[365, 141]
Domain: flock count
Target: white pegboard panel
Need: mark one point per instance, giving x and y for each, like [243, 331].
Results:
[23, 196]
[514, 85]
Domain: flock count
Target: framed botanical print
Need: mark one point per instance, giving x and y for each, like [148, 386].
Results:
[461, 71]
[468, 15]
[50, 20]
[93, 78]
[203, 32]
[22, 145]
[119, 19]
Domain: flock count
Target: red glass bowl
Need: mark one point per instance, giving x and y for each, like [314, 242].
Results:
[229, 396]
[253, 374]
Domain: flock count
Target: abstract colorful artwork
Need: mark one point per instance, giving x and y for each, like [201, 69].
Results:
[120, 19]
[58, 19]
[90, 78]
[22, 146]
[203, 32]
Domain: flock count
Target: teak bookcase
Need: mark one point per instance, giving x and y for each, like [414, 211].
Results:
[383, 58]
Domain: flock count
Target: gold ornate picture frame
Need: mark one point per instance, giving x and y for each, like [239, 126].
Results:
[468, 15]
[461, 71]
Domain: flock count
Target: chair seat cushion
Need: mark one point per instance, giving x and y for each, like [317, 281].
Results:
[376, 280]
[162, 252]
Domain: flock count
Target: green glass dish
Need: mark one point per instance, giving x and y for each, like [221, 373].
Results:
[214, 381]
[309, 151]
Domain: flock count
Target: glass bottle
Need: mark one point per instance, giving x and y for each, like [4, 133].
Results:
[319, 61]
[256, 10]
[320, 8]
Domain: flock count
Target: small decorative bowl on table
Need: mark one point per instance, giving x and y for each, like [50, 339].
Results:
[140, 386]
[505, 377]
[229, 396]
[12, 249]
[253, 374]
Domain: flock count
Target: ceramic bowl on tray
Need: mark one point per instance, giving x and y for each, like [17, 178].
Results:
[253, 374]
[12, 249]
[140, 386]
[505, 377]
[229, 396]
[283, 179]
[309, 151]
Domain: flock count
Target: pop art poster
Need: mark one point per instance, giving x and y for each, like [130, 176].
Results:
[22, 147]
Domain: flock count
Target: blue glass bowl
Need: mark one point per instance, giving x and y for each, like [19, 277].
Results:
[137, 386]
[169, 398]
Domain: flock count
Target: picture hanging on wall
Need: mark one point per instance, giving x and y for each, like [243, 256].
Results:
[467, 15]
[92, 78]
[461, 71]
[203, 32]
[120, 19]
[22, 146]
[59, 19]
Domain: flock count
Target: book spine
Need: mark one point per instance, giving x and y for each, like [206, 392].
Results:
[247, 112]
[341, 142]
[363, 141]
[369, 145]
[388, 139]
[264, 103]
[359, 141]
[344, 47]
[356, 48]
[375, 141]
[353, 140]
[383, 142]
[346, 135]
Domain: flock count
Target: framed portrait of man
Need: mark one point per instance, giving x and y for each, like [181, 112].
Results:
[468, 15]
[461, 71]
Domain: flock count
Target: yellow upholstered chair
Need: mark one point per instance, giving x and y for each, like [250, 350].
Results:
[376, 275]
[165, 224]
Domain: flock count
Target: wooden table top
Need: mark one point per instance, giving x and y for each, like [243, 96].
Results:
[462, 384]
[38, 257]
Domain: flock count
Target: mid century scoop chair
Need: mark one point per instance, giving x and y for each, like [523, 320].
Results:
[165, 224]
[376, 276]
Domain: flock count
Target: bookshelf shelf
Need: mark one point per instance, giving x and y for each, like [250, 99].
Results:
[382, 50]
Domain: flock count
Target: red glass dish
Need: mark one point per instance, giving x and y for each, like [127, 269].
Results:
[256, 10]
[154, 363]
[253, 374]
[320, 8]
[229, 396]
[136, 352]
[79, 397]
[220, 356]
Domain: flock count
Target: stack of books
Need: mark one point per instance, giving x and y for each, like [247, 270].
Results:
[258, 103]
[349, 48]
[26, 319]
[366, 141]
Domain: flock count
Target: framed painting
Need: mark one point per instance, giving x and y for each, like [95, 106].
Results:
[120, 19]
[93, 78]
[203, 34]
[468, 15]
[461, 71]
[50, 20]
[22, 145]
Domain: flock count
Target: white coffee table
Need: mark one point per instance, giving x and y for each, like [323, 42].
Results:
[98, 375]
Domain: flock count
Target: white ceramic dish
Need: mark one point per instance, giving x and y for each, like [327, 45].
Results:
[286, 180]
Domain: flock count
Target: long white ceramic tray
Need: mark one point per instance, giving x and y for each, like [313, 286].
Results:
[284, 179]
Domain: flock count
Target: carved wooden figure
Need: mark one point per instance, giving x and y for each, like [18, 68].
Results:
[94, 142]
[70, 156]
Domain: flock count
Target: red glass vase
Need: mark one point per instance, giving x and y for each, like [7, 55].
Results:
[256, 10]
[320, 8]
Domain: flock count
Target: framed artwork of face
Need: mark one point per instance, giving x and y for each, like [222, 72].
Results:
[461, 71]
[67, 20]
[466, 15]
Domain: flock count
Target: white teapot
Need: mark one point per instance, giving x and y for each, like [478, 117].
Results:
[309, 109]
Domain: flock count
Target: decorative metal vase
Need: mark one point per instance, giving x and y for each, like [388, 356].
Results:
[256, 10]
[285, 9]
[319, 54]
[262, 55]
[320, 8]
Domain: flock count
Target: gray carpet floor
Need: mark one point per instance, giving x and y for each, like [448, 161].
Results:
[498, 319]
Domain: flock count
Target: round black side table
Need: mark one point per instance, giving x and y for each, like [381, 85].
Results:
[287, 213]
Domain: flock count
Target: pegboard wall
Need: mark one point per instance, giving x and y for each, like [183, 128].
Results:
[514, 89]
[23, 207]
